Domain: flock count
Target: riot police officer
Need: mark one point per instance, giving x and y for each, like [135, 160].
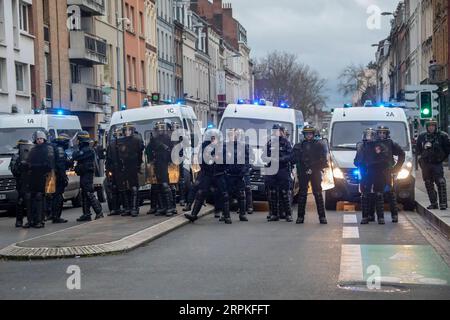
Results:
[19, 169]
[366, 186]
[85, 168]
[311, 159]
[62, 164]
[114, 174]
[433, 147]
[213, 172]
[383, 135]
[40, 163]
[279, 184]
[131, 156]
[236, 169]
[161, 150]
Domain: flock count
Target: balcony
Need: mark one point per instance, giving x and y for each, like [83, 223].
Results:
[89, 7]
[87, 98]
[87, 49]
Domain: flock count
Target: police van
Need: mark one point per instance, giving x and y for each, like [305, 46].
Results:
[14, 127]
[346, 130]
[145, 119]
[262, 117]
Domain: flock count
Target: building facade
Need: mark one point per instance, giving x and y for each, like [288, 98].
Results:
[166, 57]
[16, 55]
[151, 44]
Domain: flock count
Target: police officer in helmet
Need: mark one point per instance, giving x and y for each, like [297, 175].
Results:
[19, 169]
[310, 156]
[85, 169]
[433, 148]
[114, 174]
[62, 164]
[40, 163]
[131, 158]
[279, 183]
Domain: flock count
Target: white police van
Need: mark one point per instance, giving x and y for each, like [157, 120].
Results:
[263, 117]
[346, 130]
[14, 127]
[145, 119]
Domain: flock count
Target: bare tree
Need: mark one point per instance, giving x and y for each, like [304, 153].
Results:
[281, 77]
[359, 80]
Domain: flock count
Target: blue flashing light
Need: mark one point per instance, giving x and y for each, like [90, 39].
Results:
[284, 105]
[180, 102]
[348, 105]
[123, 107]
[241, 101]
[60, 112]
[210, 126]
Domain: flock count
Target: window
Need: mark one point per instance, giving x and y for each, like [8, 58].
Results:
[132, 18]
[144, 85]
[141, 24]
[20, 85]
[75, 73]
[2, 21]
[24, 22]
[3, 83]
[134, 72]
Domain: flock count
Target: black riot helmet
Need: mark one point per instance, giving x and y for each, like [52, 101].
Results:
[128, 127]
[383, 133]
[369, 135]
[63, 140]
[160, 126]
[84, 137]
[309, 130]
[23, 142]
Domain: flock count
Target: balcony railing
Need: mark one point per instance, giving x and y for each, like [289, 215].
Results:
[87, 98]
[87, 49]
[90, 7]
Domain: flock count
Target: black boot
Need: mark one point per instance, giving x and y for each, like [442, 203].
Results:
[188, 207]
[226, 210]
[393, 206]
[134, 202]
[115, 205]
[380, 208]
[29, 211]
[38, 221]
[96, 205]
[275, 205]
[372, 199]
[302, 200]
[58, 203]
[432, 195]
[126, 200]
[198, 204]
[249, 200]
[217, 214]
[286, 202]
[20, 208]
[365, 208]
[320, 203]
[165, 196]
[442, 191]
[242, 207]
[87, 216]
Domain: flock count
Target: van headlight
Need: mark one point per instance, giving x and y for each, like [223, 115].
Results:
[403, 174]
[338, 173]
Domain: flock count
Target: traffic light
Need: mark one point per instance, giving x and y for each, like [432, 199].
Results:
[156, 97]
[426, 105]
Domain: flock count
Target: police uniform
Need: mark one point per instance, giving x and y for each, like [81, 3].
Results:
[279, 184]
[433, 148]
[161, 150]
[114, 175]
[19, 169]
[236, 169]
[40, 163]
[213, 172]
[311, 159]
[131, 149]
[62, 164]
[85, 169]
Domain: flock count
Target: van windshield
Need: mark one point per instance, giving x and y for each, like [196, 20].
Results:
[144, 126]
[255, 124]
[346, 135]
[10, 136]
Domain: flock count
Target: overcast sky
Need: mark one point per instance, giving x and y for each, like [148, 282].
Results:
[325, 34]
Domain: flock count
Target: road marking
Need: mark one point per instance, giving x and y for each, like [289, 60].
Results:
[350, 219]
[351, 264]
[350, 233]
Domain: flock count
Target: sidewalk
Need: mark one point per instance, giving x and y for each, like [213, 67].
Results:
[106, 236]
[440, 219]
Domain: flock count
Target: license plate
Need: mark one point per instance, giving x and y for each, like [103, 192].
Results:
[2, 196]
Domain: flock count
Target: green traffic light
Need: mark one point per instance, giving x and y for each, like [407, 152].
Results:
[426, 111]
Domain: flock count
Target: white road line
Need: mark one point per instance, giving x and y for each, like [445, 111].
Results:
[350, 233]
[350, 219]
[351, 264]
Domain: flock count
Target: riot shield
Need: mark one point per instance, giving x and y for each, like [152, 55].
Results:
[328, 182]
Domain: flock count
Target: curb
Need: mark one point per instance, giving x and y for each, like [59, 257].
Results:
[432, 218]
[131, 242]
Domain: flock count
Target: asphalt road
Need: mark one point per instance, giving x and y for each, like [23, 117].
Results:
[254, 260]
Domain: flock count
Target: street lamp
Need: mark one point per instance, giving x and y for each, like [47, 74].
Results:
[120, 22]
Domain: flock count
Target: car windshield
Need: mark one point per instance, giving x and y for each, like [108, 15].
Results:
[254, 124]
[346, 135]
[10, 136]
[144, 126]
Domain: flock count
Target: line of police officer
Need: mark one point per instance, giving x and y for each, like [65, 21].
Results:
[40, 167]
